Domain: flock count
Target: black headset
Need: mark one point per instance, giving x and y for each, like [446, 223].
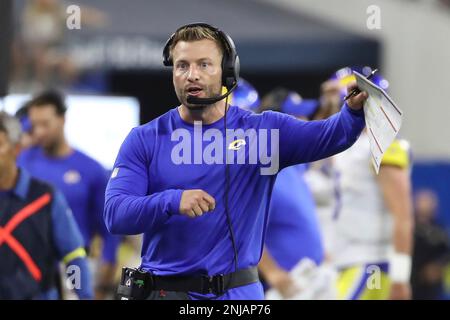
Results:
[230, 60]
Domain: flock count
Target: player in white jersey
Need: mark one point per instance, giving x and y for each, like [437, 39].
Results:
[373, 227]
[321, 175]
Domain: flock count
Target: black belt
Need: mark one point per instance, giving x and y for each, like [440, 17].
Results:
[217, 284]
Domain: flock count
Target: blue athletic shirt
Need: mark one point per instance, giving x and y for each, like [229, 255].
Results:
[145, 188]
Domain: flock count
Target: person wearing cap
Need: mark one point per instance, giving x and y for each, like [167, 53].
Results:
[245, 96]
[321, 175]
[37, 230]
[373, 223]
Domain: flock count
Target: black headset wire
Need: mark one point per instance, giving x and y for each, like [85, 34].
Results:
[227, 212]
[227, 190]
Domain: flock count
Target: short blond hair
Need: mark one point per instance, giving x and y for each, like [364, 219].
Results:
[196, 33]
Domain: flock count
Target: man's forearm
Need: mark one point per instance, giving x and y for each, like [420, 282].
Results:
[395, 186]
[106, 281]
[84, 290]
[314, 140]
[127, 214]
[269, 268]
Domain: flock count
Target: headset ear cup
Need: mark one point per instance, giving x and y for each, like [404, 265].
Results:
[230, 69]
[226, 79]
[232, 61]
[227, 71]
[166, 52]
[236, 68]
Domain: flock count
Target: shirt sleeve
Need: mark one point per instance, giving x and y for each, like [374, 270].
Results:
[128, 207]
[83, 288]
[69, 244]
[97, 200]
[66, 234]
[398, 154]
[308, 141]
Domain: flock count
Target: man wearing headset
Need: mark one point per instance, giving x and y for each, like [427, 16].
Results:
[204, 216]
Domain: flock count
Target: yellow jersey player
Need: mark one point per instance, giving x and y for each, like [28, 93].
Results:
[374, 223]
[373, 230]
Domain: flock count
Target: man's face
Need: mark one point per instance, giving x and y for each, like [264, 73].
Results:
[330, 99]
[197, 69]
[48, 126]
[8, 152]
[331, 93]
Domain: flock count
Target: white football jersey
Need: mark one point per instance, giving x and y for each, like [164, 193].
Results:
[363, 225]
[320, 178]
